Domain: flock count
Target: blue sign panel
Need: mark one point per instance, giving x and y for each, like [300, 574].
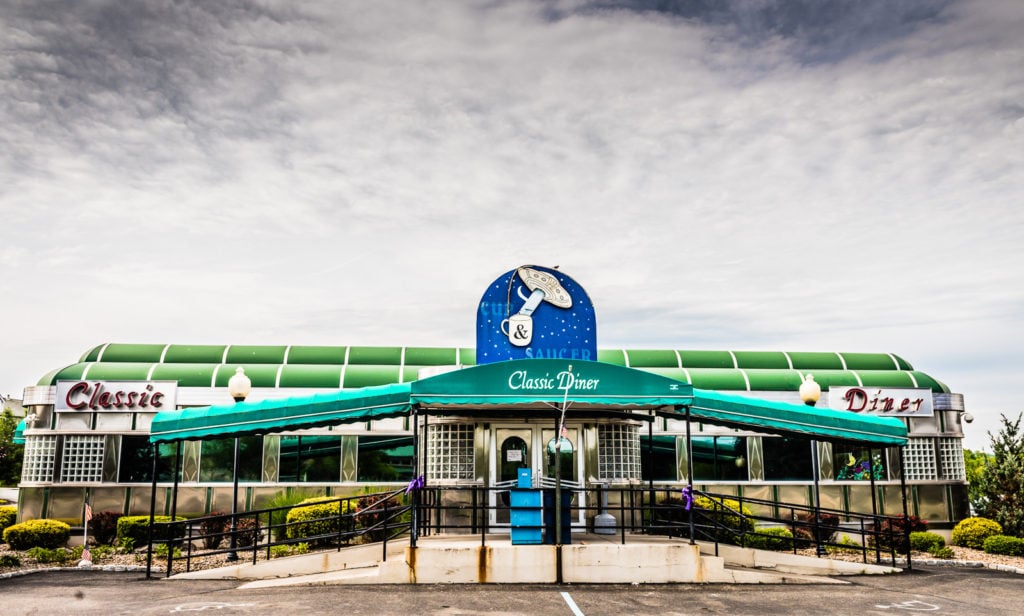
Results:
[534, 312]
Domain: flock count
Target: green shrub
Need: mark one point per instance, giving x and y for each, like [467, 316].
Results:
[721, 520]
[45, 555]
[892, 533]
[314, 516]
[278, 518]
[941, 551]
[778, 539]
[37, 533]
[925, 541]
[103, 527]
[160, 551]
[9, 560]
[845, 545]
[136, 529]
[972, 532]
[8, 516]
[1002, 544]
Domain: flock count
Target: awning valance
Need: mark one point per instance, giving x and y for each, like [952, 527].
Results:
[296, 413]
[784, 418]
[546, 382]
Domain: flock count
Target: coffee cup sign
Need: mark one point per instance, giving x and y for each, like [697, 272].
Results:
[544, 287]
[519, 329]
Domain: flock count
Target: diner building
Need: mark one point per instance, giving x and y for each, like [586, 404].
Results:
[330, 419]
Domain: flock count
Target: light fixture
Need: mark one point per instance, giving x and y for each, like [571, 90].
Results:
[810, 391]
[968, 418]
[239, 385]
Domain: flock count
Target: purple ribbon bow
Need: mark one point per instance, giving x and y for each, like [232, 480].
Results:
[687, 498]
[416, 484]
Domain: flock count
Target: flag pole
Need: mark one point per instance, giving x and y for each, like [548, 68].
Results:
[86, 556]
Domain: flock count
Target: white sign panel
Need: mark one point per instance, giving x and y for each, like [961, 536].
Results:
[124, 396]
[875, 401]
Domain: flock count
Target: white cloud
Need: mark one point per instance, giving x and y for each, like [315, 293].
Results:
[840, 176]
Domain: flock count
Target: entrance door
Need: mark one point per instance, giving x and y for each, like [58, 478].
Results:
[526, 446]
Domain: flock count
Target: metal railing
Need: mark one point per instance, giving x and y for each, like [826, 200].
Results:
[476, 510]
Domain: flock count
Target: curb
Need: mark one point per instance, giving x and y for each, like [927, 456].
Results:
[103, 568]
[972, 564]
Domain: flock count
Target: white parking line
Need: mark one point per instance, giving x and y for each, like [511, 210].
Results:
[572, 604]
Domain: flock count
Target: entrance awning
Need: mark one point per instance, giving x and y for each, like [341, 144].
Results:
[783, 418]
[296, 413]
[543, 383]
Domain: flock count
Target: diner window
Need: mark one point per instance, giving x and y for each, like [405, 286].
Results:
[82, 459]
[216, 459]
[719, 458]
[853, 463]
[385, 458]
[787, 459]
[449, 451]
[38, 459]
[310, 458]
[618, 451]
[658, 458]
[135, 464]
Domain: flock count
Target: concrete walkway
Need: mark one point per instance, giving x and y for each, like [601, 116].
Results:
[461, 559]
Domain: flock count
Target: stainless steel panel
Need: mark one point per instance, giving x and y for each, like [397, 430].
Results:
[190, 461]
[755, 459]
[139, 504]
[826, 469]
[761, 493]
[107, 499]
[481, 453]
[795, 494]
[73, 421]
[894, 501]
[349, 457]
[66, 505]
[271, 457]
[588, 447]
[931, 502]
[682, 460]
[30, 503]
[114, 422]
[831, 496]
[192, 502]
[111, 450]
[859, 498]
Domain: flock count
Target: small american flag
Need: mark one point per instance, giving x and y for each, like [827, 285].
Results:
[88, 512]
[86, 555]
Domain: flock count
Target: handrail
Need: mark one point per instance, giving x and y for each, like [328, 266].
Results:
[384, 516]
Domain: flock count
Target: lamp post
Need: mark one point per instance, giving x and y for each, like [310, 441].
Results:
[810, 393]
[239, 386]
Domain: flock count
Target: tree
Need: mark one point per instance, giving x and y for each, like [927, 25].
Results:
[1001, 485]
[975, 462]
[10, 454]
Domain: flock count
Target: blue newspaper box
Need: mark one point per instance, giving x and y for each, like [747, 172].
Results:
[526, 514]
[525, 478]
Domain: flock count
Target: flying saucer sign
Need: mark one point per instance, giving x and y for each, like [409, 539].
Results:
[534, 312]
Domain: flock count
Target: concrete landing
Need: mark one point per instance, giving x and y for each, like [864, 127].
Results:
[590, 559]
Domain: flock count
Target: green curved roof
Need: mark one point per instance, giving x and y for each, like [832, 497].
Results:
[363, 366]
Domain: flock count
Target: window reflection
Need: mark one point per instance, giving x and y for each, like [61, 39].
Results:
[310, 458]
[385, 458]
[719, 458]
[787, 459]
[217, 459]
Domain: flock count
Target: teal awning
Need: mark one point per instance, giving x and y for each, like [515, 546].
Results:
[296, 413]
[784, 418]
[19, 433]
[546, 382]
[526, 385]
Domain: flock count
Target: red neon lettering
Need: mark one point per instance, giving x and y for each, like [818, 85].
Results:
[854, 395]
[78, 388]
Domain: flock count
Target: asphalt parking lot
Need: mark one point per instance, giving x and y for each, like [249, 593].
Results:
[937, 590]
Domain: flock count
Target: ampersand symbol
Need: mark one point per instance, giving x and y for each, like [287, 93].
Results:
[520, 332]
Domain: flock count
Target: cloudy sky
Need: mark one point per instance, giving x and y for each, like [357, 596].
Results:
[759, 174]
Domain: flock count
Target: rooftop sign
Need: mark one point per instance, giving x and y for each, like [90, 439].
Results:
[125, 396]
[875, 401]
